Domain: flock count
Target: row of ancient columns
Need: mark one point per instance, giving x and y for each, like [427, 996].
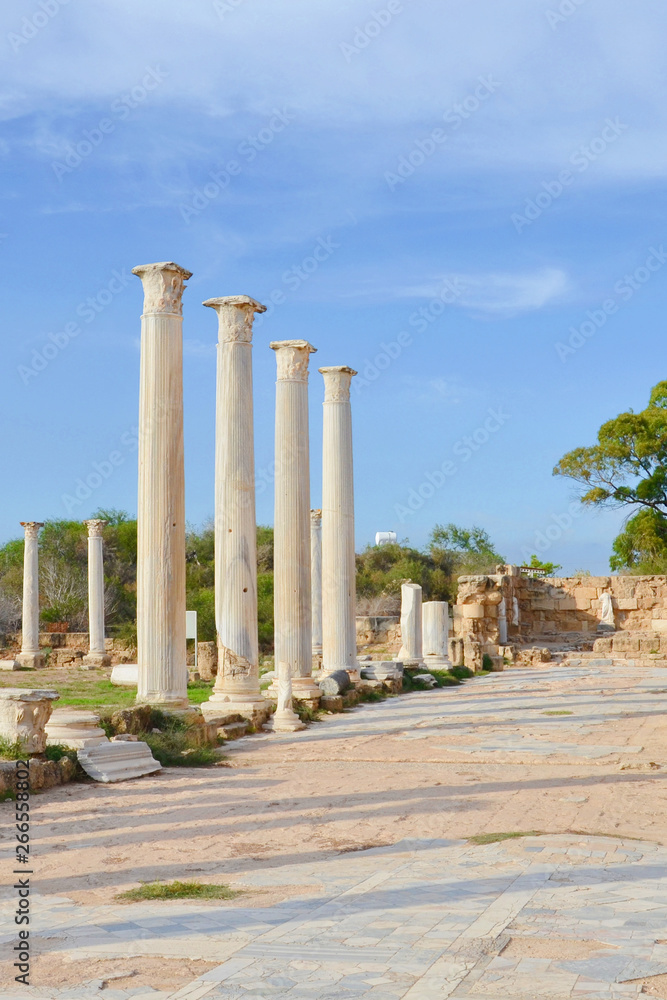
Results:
[162, 671]
[30, 655]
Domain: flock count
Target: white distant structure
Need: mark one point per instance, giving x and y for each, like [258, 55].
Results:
[385, 537]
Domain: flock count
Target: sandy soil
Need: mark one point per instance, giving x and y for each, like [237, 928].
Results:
[275, 805]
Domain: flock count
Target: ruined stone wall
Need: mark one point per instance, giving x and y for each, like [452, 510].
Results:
[550, 607]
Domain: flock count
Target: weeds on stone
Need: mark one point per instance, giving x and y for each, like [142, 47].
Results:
[444, 678]
[11, 749]
[305, 712]
[495, 838]
[175, 744]
[561, 711]
[177, 890]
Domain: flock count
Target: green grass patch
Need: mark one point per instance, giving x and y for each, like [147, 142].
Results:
[11, 749]
[177, 890]
[444, 678]
[560, 711]
[175, 745]
[495, 838]
[305, 712]
[8, 796]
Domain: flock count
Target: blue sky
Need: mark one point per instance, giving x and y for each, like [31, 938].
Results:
[479, 177]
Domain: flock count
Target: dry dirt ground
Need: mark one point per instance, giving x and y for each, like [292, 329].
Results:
[447, 764]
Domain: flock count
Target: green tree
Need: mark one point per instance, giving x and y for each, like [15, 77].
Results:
[628, 468]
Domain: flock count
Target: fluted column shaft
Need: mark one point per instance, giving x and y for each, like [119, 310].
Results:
[161, 646]
[292, 599]
[237, 679]
[435, 632]
[316, 582]
[97, 655]
[411, 623]
[339, 638]
[30, 655]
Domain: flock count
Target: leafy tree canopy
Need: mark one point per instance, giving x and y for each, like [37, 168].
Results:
[628, 465]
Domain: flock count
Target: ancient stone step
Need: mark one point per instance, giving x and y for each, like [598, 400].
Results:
[233, 730]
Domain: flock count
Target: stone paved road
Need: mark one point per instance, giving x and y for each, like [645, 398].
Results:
[555, 916]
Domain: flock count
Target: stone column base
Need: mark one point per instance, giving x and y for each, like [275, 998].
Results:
[437, 662]
[35, 661]
[93, 660]
[305, 689]
[284, 722]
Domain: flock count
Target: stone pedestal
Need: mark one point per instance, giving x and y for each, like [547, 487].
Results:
[74, 729]
[435, 634]
[411, 625]
[284, 719]
[339, 633]
[96, 656]
[30, 655]
[292, 601]
[24, 713]
[161, 647]
[237, 680]
[316, 585]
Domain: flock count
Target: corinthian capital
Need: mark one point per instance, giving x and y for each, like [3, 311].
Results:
[32, 528]
[337, 379]
[164, 284]
[236, 314]
[292, 357]
[95, 526]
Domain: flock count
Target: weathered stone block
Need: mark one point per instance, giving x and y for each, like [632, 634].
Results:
[207, 660]
[627, 603]
[132, 720]
[118, 761]
[472, 610]
[582, 602]
[24, 713]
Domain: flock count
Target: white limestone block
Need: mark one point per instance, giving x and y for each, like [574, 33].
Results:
[10, 665]
[125, 675]
[118, 761]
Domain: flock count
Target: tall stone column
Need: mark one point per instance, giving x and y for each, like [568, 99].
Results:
[435, 632]
[411, 625]
[30, 655]
[237, 683]
[161, 646]
[292, 600]
[339, 635]
[97, 655]
[316, 585]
